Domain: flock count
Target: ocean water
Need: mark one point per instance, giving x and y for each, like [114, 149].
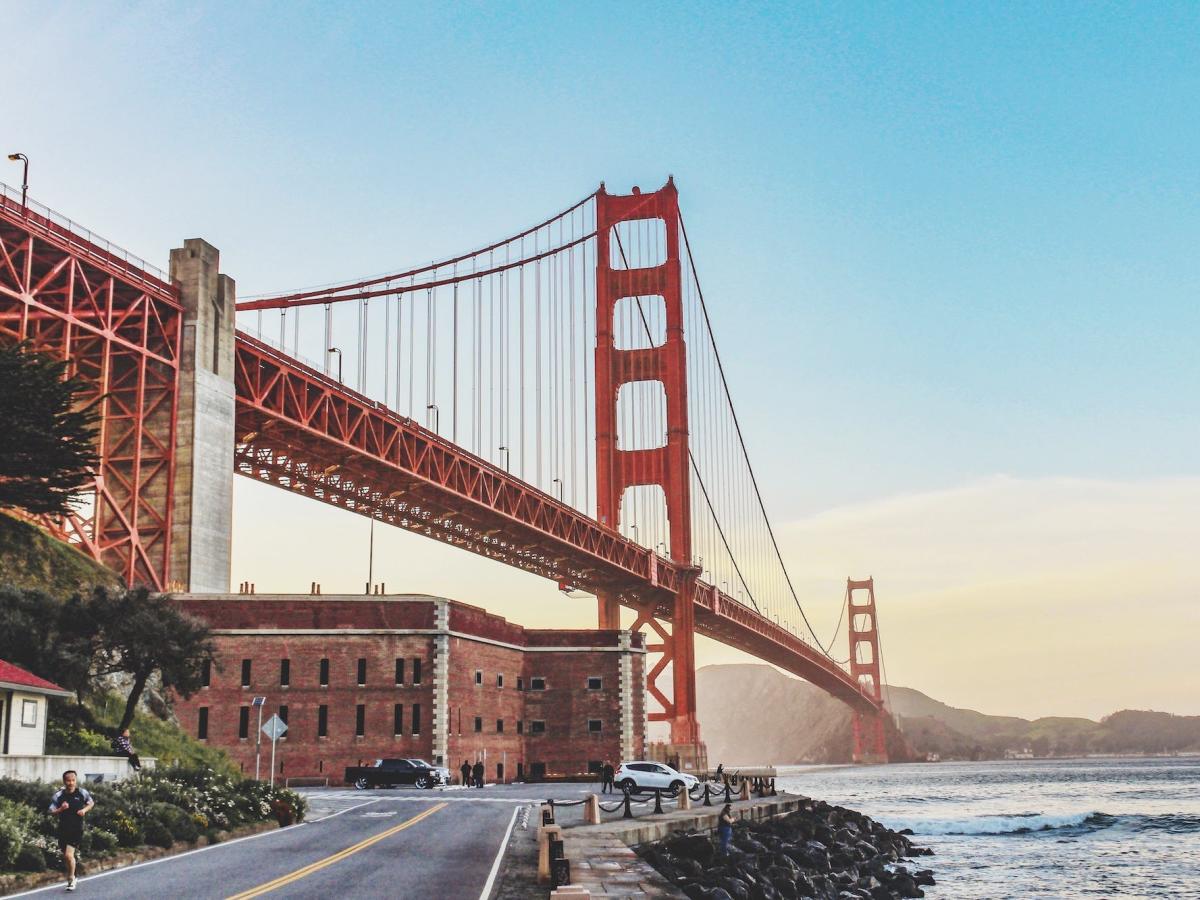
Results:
[1034, 828]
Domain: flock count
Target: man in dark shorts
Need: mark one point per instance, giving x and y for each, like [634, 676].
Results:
[70, 804]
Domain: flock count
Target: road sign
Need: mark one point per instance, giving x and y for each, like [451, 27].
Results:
[274, 728]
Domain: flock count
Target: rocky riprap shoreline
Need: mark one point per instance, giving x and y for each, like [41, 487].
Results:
[819, 851]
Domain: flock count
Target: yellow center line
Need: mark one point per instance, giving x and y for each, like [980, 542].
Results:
[337, 857]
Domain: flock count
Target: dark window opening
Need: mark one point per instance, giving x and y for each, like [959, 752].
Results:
[520, 683]
[322, 721]
[594, 765]
[324, 673]
[537, 770]
[245, 673]
[283, 713]
[478, 723]
[537, 726]
[362, 671]
[285, 672]
[478, 676]
[499, 680]
[416, 718]
[399, 671]
[595, 683]
[520, 726]
[398, 719]
[537, 684]
[416, 671]
[594, 726]
[360, 719]
[206, 673]
[202, 725]
[244, 722]
[499, 726]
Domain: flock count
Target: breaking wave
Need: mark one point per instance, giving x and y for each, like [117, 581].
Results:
[1018, 823]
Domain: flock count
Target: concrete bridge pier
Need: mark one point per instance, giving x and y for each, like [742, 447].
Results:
[202, 509]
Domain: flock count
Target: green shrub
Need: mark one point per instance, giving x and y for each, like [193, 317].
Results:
[11, 842]
[101, 841]
[158, 835]
[214, 835]
[30, 859]
[177, 821]
[127, 829]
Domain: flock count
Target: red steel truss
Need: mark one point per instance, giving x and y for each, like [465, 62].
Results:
[869, 743]
[118, 325]
[303, 431]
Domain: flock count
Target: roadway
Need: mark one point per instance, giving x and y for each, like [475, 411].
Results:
[387, 843]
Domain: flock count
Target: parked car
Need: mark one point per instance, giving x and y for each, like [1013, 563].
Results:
[640, 775]
[391, 772]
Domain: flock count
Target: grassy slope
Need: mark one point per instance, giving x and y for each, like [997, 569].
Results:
[30, 558]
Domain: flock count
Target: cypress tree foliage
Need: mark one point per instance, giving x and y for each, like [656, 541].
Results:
[47, 450]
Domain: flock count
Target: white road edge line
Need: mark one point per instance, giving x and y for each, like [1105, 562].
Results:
[346, 810]
[162, 859]
[487, 888]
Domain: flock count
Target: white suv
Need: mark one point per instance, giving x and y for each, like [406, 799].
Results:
[633, 776]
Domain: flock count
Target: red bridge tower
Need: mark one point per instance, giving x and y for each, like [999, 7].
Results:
[869, 743]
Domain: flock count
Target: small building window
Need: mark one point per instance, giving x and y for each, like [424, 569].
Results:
[479, 676]
[285, 672]
[478, 724]
[398, 719]
[537, 684]
[362, 671]
[520, 683]
[416, 671]
[202, 724]
[595, 683]
[594, 726]
[244, 722]
[520, 726]
[399, 670]
[283, 713]
[29, 713]
[322, 721]
[537, 726]
[324, 673]
[245, 673]
[360, 719]
[594, 765]
[499, 680]
[416, 718]
[499, 726]
[206, 673]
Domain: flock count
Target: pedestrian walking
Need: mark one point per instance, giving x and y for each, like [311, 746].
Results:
[70, 804]
[123, 746]
[465, 768]
[477, 771]
[725, 828]
[606, 780]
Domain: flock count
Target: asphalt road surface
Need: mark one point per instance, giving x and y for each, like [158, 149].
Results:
[386, 843]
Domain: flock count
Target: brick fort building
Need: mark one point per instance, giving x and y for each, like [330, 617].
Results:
[363, 677]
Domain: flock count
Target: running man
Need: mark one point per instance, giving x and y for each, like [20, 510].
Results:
[70, 803]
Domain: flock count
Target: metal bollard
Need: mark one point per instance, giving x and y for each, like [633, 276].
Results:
[707, 797]
[628, 809]
[773, 794]
[657, 801]
[728, 793]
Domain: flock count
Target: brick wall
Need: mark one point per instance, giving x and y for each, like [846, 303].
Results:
[305, 630]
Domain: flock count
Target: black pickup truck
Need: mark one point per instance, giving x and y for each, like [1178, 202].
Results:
[391, 772]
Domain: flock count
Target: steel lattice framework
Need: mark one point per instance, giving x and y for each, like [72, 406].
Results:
[118, 326]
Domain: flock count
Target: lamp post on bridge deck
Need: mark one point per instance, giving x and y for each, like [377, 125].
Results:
[22, 158]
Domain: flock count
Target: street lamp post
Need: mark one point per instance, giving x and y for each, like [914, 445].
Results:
[339, 353]
[558, 481]
[504, 450]
[437, 417]
[22, 158]
[259, 702]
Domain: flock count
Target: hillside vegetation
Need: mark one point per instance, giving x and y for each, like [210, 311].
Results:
[30, 558]
[755, 714]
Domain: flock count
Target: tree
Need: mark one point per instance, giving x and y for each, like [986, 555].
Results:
[47, 450]
[51, 639]
[142, 633]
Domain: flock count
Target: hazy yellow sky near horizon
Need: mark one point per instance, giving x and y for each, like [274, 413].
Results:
[1029, 597]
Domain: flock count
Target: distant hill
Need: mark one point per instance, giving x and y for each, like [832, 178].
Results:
[756, 714]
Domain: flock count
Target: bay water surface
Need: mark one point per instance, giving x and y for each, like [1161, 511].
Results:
[1034, 828]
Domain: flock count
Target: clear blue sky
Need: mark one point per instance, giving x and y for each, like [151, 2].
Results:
[941, 242]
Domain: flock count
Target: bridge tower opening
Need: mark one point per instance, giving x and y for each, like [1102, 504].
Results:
[870, 745]
[666, 466]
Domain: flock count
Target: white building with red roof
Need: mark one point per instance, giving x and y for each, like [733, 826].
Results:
[23, 697]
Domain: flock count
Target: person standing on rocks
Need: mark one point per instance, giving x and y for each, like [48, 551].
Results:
[606, 778]
[477, 771]
[725, 828]
[465, 768]
[70, 804]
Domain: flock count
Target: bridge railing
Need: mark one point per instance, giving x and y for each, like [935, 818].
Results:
[81, 240]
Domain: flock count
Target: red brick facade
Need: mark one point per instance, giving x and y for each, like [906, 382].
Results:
[539, 707]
